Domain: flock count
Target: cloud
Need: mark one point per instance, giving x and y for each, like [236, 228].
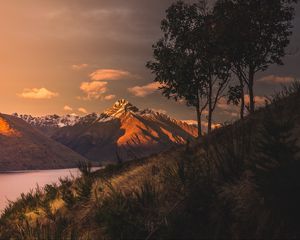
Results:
[143, 91]
[111, 74]
[270, 79]
[79, 66]
[233, 111]
[37, 93]
[190, 122]
[223, 105]
[82, 110]
[68, 108]
[203, 123]
[259, 100]
[93, 90]
[110, 97]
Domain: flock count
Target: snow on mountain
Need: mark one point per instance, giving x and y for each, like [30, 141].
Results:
[50, 123]
[50, 120]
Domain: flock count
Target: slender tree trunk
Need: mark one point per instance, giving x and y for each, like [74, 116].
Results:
[242, 99]
[251, 91]
[199, 116]
[210, 110]
[199, 121]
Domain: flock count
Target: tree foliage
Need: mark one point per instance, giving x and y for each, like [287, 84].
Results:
[188, 59]
[255, 35]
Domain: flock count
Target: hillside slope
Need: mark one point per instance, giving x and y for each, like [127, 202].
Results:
[23, 147]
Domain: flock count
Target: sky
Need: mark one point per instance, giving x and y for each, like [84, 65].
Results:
[80, 56]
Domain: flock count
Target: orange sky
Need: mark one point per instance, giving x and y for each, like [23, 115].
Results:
[63, 56]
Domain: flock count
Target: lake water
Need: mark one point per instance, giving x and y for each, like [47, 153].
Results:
[12, 184]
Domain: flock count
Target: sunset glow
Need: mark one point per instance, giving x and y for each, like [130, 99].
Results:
[88, 54]
[6, 130]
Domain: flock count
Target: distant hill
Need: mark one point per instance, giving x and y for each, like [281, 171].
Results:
[23, 147]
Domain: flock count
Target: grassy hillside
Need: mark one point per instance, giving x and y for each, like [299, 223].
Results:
[242, 181]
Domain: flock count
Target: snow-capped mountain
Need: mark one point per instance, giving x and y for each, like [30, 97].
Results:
[50, 120]
[124, 132]
[48, 124]
[121, 132]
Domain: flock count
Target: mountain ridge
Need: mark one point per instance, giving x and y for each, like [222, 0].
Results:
[120, 132]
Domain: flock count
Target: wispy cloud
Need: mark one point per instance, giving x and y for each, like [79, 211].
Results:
[68, 108]
[110, 97]
[82, 110]
[93, 90]
[203, 123]
[143, 91]
[233, 111]
[111, 74]
[223, 105]
[271, 79]
[79, 66]
[259, 100]
[37, 93]
[190, 122]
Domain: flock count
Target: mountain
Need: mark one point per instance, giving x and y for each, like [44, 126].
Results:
[23, 147]
[124, 132]
[50, 123]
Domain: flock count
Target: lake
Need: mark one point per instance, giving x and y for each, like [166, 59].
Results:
[12, 184]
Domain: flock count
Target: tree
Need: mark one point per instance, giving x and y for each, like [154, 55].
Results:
[236, 97]
[261, 33]
[175, 61]
[213, 63]
[188, 60]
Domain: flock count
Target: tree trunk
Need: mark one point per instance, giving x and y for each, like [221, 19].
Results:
[199, 121]
[242, 111]
[210, 110]
[251, 91]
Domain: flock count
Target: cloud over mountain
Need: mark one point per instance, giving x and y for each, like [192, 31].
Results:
[143, 91]
[111, 74]
[82, 110]
[93, 90]
[79, 66]
[37, 93]
[110, 97]
[68, 108]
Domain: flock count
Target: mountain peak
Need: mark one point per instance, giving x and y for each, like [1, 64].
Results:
[121, 102]
[120, 107]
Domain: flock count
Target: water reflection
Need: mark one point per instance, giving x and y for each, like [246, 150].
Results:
[12, 184]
